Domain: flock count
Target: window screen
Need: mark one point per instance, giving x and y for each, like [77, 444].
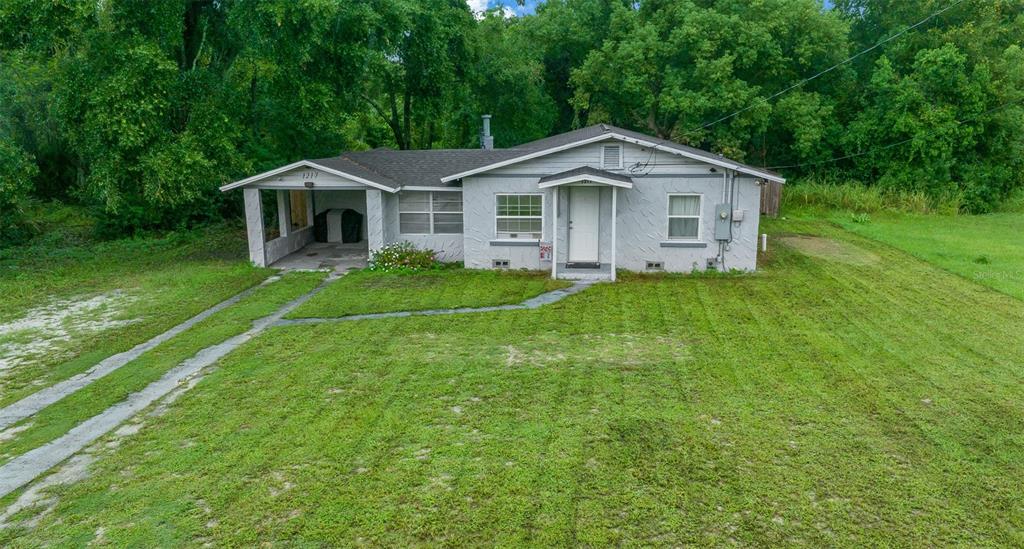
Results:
[430, 212]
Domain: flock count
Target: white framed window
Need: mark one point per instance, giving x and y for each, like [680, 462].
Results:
[611, 157]
[684, 215]
[430, 212]
[519, 216]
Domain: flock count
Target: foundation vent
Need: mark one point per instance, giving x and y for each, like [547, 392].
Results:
[500, 263]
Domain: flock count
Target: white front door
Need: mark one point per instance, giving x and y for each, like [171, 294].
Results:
[584, 224]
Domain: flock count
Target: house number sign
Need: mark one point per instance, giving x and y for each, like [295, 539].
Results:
[310, 174]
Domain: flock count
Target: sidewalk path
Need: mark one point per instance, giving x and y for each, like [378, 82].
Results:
[42, 398]
[26, 467]
[532, 303]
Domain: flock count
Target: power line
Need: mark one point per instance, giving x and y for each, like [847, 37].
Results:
[896, 144]
[830, 69]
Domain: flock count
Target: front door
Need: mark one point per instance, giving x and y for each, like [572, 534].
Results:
[583, 224]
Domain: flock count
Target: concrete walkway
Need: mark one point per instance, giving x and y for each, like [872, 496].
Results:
[25, 468]
[533, 303]
[35, 402]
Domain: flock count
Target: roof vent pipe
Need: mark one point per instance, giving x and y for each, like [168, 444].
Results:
[486, 140]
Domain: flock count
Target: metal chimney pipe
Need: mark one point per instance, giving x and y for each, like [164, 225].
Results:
[486, 140]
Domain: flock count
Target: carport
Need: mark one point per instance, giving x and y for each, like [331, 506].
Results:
[312, 214]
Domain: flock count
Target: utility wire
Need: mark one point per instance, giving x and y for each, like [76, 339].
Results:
[830, 69]
[896, 144]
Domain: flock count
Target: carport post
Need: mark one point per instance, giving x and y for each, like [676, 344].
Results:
[374, 220]
[283, 213]
[254, 226]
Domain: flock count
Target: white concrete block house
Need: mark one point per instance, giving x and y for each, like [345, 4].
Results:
[580, 205]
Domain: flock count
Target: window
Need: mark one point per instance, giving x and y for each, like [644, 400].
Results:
[499, 263]
[684, 216]
[519, 216]
[430, 212]
[611, 156]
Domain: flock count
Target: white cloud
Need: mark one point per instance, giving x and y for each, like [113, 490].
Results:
[477, 6]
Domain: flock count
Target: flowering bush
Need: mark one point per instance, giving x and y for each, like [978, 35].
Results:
[403, 256]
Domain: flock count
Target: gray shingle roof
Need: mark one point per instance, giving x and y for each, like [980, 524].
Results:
[343, 164]
[424, 167]
[585, 171]
[396, 169]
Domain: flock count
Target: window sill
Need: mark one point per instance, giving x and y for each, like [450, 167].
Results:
[683, 244]
[514, 242]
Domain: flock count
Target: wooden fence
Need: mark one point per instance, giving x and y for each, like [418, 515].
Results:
[771, 198]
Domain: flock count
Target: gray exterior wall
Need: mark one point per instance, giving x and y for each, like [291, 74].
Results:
[481, 245]
[642, 225]
[447, 246]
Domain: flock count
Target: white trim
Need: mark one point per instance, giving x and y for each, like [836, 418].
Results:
[583, 178]
[669, 216]
[721, 162]
[431, 189]
[621, 154]
[527, 156]
[568, 225]
[308, 164]
[554, 234]
[543, 224]
[615, 223]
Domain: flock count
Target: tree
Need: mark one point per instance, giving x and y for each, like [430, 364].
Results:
[670, 67]
[421, 70]
[949, 94]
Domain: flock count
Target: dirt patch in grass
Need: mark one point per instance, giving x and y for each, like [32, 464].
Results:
[830, 250]
[621, 350]
[47, 329]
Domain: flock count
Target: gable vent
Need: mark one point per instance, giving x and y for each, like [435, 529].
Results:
[611, 156]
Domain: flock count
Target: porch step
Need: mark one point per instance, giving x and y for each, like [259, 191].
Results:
[604, 272]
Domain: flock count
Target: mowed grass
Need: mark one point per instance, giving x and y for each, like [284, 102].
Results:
[145, 286]
[985, 248]
[58, 418]
[367, 291]
[847, 394]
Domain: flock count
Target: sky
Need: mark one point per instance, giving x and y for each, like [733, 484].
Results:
[512, 8]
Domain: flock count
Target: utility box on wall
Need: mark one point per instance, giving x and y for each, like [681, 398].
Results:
[723, 217]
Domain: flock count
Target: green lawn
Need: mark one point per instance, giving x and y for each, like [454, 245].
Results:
[80, 302]
[847, 394]
[988, 249]
[375, 292]
[58, 418]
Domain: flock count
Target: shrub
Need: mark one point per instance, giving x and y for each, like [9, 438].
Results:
[403, 257]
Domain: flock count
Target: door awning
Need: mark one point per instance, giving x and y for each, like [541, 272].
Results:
[586, 174]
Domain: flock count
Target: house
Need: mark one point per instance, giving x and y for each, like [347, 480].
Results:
[580, 204]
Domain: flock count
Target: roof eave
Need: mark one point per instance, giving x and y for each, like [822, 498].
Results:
[308, 164]
[720, 162]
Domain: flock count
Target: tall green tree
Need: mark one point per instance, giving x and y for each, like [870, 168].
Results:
[670, 67]
[950, 94]
[506, 78]
[420, 71]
